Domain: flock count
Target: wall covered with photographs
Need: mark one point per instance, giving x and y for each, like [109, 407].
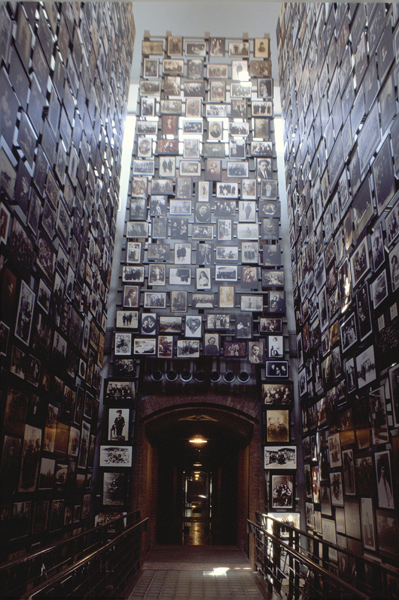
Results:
[64, 69]
[201, 279]
[338, 68]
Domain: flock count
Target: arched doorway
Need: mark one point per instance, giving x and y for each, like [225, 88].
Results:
[200, 492]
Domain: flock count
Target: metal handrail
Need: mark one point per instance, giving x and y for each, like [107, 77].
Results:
[307, 562]
[51, 555]
[63, 575]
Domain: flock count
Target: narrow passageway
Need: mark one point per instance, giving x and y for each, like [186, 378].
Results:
[197, 572]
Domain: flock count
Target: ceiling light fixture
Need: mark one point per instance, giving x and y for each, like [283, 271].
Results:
[198, 440]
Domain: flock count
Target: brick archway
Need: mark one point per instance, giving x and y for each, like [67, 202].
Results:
[238, 415]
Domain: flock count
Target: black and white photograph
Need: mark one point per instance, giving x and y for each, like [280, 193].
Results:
[202, 300]
[280, 457]
[225, 273]
[394, 267]
[165, 346]
[145, 346]
[365, 367]
[256, 352]
[114, 485]
[178, 301]
[188, 349]
[271, 255]
[202, 212]
[384, 181]
[377, 247]
[275, 346]
[348, 332]
[248, 189]
[218, 321]
[203, 278]
[363, 312]
[157, 274]
[170, 325]
[193, 326]
[226, 253]
[360, 262]
[204, 253]
[136, 229]
[167, 166]
[278, 369]
[115, 456]
[237, 169]
[179, 228]
[249, 252]
[211, 345]
[380, 289]
[243, 326]
[226, 190]
[180, 276]
[276, 301]
[392, 224]
[224, 229]
[378, 417]
[132, 274]
[26, 303]
[216, 46]
[251, 303]
[247, 231]
[31, 447]
[180, 207]
[384, 479]
[225, 208]
[131, 296]
[203, 188]
[235, 349]
[133, 252]
[148, 324]
[282, 491]
[249, 277]
[275, 394]
[123, 344]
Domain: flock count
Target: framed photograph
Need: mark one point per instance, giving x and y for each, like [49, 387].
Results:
[217, 91]
[165, 346]
[383, 174]
[237, 169]
[349, 472]
[138, 209]
[154, 299]
[262, 47]
[195, 68]
[380, 289]
[262, 108]
[217, 71]
[216, 46]
[131, 296]
[247, 211]
[225, 208]
[170, 325]
[204, 253]
[191, 148]
[392, 224]
[126, 319]
[203, 278]
[250, 252]
[202, 300]
[133, 252]
[196, 48]
[170, 107]
[25, 309]
[203, 189]
[178, 301]
[227, 253]
[225, 273]
[114, 487]
[148, 324]
[193, 108]
[226, 297]
[241, 90]
[202, 232]
[193, 326]
[377, 247]
[269, 191]
[272, 278]
[337, 494]
[184, 186]
[282, 491]
[247, 231]
[378, 417]
[277, 369]
[153, 47]
[243, 326]
[218, 321]
[130, 274]
[30, 459]
[118, 425]
[235, 349]
[156, 274]
[180, 207]
[188, 168]
[116, 456]
[180, 276]
[147, 106]
[348, 332]
[136, 229]
[211, 345]
[275, 394]
[276, 301]
[144, 346]
[182, 253]
[334, 450]
[123, 344]
[252, 303]
[179, 229]
[174, 45]
[151, 68]
[387, 532]
[280, 457]
[256, 352]
[275, 346]
[188, 349]
[5, 220]
[202, 212]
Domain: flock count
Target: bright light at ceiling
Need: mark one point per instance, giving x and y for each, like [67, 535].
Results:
[198, 439]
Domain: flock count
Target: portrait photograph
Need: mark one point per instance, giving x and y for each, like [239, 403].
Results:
[136, 229]
[204, 253]
[170, 325]
[211, 345]
[203, 278]
[278, 369]
[226, 297]
[165, 346]
[114, 484]
[191, 148]
[144, 346]
[188, 349]
[180, 207]
[380, 289]
[148, 324]
[243, 326]
[216, 46]
[337, 494]
[218, 321]
[174, 45]
[217, 91]
[249, 277]
[282, 491]
[247, 211]
[154, 299]
[250, 252]
[132, 274]
[32, 443]
[383, 175]
[275, 394]
[202, 212]
[275, 346]
[178, 301]
[256, 352]
[276, 301]
[348, 466]
[151, 68]
[247, 231]
[262, 47]
[156, 274]
[235, 349]
[202, 189]
[394, 267]
[193, 108]
[378, 417]
[348, 332]
[25, 309]
[368, 523]
[182, 253]
[272, 278]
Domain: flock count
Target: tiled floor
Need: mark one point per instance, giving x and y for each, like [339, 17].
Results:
[197, 573]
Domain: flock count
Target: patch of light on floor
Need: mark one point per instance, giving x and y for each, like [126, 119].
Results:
[218, 572]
